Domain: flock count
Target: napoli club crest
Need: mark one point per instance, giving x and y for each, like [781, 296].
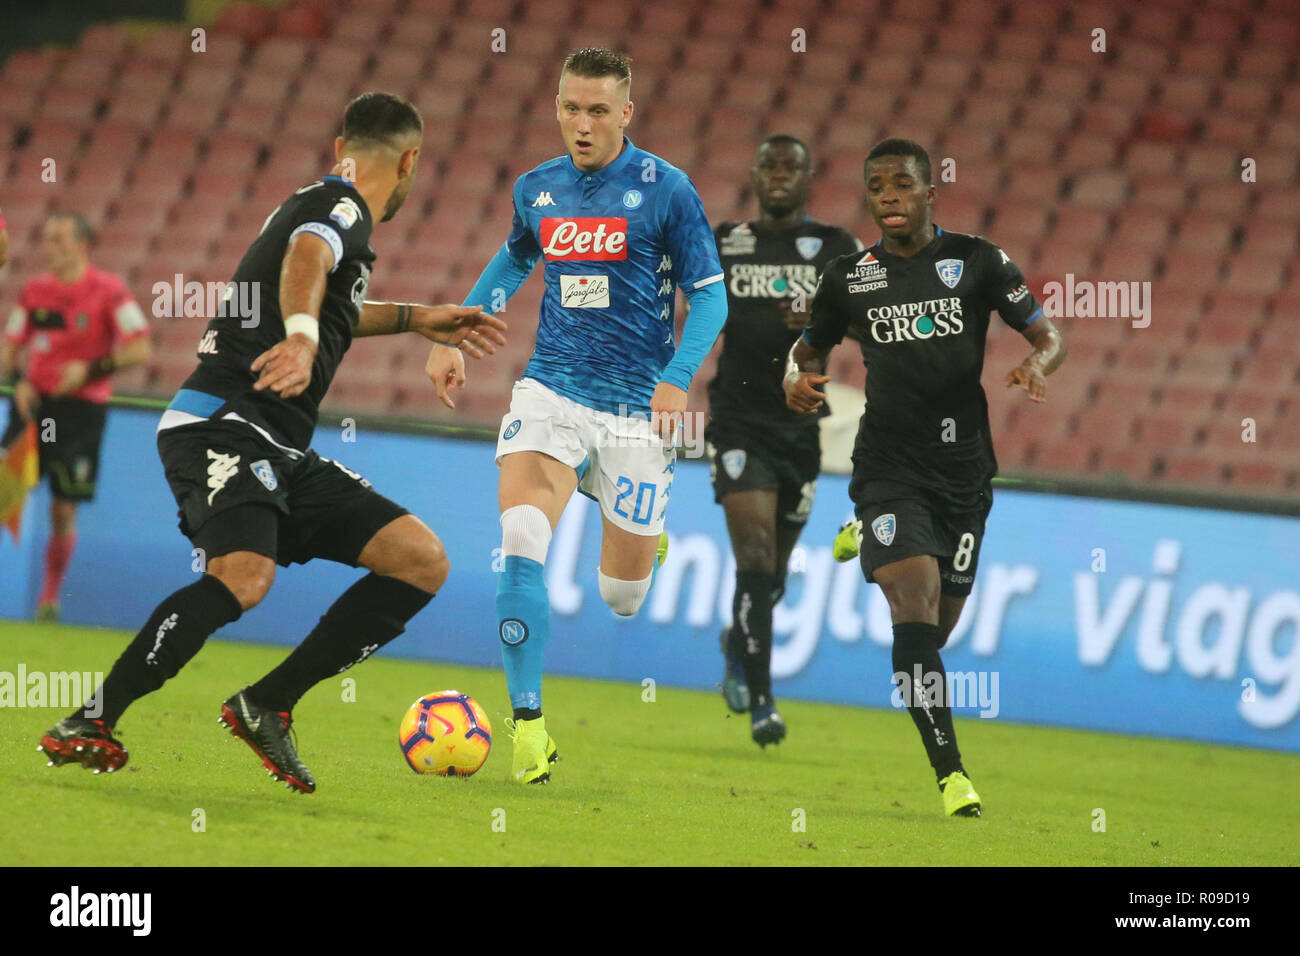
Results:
[883, 528]
[949, 271]
[264, 473]
[511, 430]
[513, 631]
[733, 463]
[808, 246]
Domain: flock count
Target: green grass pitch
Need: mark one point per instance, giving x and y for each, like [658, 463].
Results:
[674, 781]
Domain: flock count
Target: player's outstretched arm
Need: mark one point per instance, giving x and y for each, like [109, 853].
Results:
[804, 372]
[1048, 354]
[501, 279]
[465, 327]
[285, 368]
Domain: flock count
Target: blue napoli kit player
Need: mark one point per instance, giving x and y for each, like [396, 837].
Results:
[766, 458]
[620, 230]
[234, 443]
[919, 301]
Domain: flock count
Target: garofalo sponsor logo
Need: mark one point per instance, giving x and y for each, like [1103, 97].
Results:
[75, 908]
[913, 321]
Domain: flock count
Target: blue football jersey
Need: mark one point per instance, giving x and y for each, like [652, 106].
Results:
[617, 242]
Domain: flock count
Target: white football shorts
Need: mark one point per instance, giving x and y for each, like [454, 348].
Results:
[621, 463]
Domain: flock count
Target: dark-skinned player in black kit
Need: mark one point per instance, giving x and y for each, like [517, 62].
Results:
[234, 444]
[765, 457]
[919, 301]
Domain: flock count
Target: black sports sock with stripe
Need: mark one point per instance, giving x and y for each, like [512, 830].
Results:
[916, 662]
[366, 617]
[751, 631]
[173, 634]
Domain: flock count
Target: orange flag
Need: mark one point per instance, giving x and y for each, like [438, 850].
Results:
[19, 473]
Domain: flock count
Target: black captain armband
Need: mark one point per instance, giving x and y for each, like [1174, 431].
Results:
[101, 367]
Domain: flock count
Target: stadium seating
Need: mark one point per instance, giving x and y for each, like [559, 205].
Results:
[1118, 166]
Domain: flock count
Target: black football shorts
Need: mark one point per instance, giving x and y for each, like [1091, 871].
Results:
[238, 492]
[901, 521]
[746, 459]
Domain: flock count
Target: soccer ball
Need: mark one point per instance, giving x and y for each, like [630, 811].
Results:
[446, 733]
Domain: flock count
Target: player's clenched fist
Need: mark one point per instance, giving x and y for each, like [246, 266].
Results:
[286, 366]
[801, 392]
[668, 411]
[446, 369]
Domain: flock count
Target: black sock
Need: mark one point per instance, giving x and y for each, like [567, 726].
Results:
[751, 629]
[523, 713]
[369, 614]
[916, 645]
[174, 633]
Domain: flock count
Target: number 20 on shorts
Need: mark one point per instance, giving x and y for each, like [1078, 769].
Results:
[644, 504]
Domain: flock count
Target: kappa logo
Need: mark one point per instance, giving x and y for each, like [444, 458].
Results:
[733, 463]
[808, 246]
[883, 528]
[665, 264]
[163, 628]
[208, 344]
[949, 271]
[264, 473]
[221, 468]
[543, 199]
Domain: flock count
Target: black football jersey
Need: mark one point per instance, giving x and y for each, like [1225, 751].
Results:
[922, 322]
[761, 268]
[332, 209]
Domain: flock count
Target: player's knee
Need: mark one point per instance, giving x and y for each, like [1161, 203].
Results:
[525, 533]
[436, 565]
[623, 597]
[63, 516]
[421, 561]
[426, 565]
[913, 601]
[756, 552]
[248, 576]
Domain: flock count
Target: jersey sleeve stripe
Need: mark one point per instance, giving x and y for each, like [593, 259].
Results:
[1033, 315]
[328, 233]
[703, 282]
[130, 319]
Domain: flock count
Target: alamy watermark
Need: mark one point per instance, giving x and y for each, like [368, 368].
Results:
[64, 690]
[1084, 299]
[204, 300]
[954, 689]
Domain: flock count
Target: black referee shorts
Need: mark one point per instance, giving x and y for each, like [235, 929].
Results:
[69, 434]
[238, 492]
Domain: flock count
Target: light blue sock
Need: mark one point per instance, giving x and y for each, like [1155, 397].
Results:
[524, 616]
